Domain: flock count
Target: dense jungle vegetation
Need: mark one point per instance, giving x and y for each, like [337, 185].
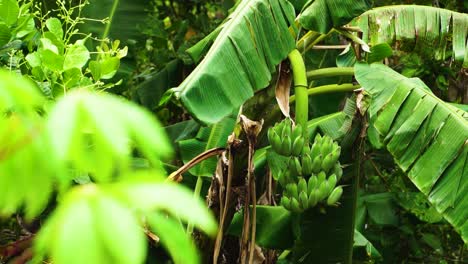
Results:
[233, 131]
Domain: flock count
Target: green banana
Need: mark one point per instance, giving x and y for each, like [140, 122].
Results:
[303, 200]
[337, 170]
[275, 140]
[312, 184]
[291, 188]
[323, 190]
[317, 164]
[297, 146]
[279, 128]
[298, 166]
[318, 139]
[313, 198]
[306, 149]
[327, 162]
[326, 145]
[286, 146]
[302, 185]
[286, 202]
[315, 150]
[321, 178]
[335, 195]
[297, 131]
[336, 154]
[295, 206]
[286, 132]
[306, 164]
[332, 180]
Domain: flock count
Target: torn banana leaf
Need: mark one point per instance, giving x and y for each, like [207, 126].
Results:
[430, 31]
[323, 15]
[254, 39]
[427, 137]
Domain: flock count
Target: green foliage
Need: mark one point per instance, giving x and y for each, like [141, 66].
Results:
[90, 166]
[57, 58]
[252, 60]
[429, 31]
[416, 127]
[323, 15]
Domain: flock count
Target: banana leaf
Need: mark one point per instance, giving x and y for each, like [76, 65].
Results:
[427, 30]
[150, 92]
[253, 40]
[323, 15]
[427, 138]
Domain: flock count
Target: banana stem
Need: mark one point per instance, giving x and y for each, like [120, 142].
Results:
[300, 89]
[331, 88]
[330, 72]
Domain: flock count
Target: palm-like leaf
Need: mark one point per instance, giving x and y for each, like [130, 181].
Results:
[427, 30]
[427, 138]
[254, 39]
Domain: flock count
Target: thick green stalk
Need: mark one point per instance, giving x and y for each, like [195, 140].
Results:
[300, 89]
[331, 88]
[330, 72]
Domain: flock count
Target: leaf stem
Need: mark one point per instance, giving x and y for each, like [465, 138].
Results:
[330, 72]
[331, 88]
[300, 89]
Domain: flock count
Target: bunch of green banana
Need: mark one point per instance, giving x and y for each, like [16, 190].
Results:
[321, 156]
[285, 139]
[307, 194]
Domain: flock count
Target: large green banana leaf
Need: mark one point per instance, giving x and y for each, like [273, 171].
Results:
[323, 15]
[427, 138]
[427, 30]
[253, 40]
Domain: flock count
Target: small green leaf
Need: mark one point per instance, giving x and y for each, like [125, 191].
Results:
[33, 59]
[76, 56]
[51, 59]
[9, 11]
[109, 67]
[54, 26]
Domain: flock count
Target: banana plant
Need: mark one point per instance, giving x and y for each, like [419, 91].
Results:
[241, 61]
